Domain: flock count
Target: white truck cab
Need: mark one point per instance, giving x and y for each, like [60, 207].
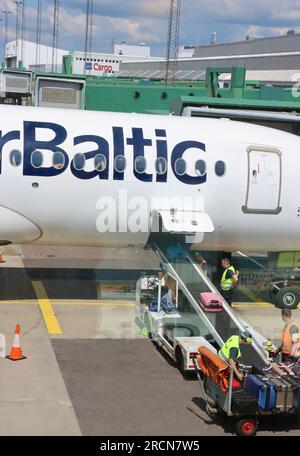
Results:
[177, 329]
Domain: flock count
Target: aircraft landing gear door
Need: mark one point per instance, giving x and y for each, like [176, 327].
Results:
[264, 181]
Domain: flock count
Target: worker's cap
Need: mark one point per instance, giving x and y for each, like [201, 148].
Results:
[246, 335]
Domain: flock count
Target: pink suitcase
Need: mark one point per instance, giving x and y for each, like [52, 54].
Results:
[210, 302]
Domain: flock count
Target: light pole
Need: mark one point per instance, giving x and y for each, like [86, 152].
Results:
[4, 49]
[23, 31]
[38, 34]
[18, 3]
[5, 32]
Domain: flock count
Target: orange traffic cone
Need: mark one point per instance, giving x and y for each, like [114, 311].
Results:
[16, 352]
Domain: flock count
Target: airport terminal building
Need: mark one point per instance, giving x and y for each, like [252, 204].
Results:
[279, 53]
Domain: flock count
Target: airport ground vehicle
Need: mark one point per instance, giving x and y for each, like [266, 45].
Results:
[182, 331]
[179, 333]
[285, 289]
[241, 404]
[187, 327]
[220, 402]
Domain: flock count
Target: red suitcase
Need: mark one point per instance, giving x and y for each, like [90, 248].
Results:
[210, 302]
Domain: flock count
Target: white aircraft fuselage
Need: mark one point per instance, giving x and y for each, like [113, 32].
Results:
[115, 168]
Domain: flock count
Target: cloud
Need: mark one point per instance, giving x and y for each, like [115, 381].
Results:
[154, 8]
[256, 12]
[134, 30]
[134, 21]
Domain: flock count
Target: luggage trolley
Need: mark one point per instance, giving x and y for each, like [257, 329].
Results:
[280, 395]
[244, 412]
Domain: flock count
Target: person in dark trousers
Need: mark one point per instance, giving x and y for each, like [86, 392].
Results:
[230, 351]
[229, 280]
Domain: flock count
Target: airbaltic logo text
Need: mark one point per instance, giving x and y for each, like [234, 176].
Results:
[114, 146]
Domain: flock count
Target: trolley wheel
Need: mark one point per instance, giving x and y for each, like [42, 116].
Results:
[246, 427]
[287, 298]
[180, 360]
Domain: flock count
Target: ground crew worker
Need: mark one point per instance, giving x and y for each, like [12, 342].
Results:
[230, 351]
[290, 337]
[229, 280]
[201, 262]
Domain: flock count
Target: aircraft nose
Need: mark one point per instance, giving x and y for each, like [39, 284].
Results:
[15, 228]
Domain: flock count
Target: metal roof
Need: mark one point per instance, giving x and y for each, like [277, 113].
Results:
[189, 75]
[193, 75]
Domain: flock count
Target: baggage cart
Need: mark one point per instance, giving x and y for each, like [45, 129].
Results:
[238, 404]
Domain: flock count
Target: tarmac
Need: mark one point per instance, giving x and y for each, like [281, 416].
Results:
[89, 372]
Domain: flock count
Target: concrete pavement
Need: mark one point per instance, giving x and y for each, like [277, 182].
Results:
[33, 396]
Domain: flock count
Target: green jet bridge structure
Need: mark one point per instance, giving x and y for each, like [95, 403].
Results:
[68, 90]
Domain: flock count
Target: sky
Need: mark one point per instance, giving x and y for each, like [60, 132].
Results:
[136, 21]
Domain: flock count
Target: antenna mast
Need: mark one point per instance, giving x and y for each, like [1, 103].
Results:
[18, 3]
[55, 36]
[88, 31]
[38, 34]
[23, 30]
[172, 41]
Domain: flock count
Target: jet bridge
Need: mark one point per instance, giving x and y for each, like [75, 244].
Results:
[181, 333]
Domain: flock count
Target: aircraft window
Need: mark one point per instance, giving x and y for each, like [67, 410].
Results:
[161, 165]
[180, 166]
[36, 159]
[58, 160]
[220, 168]
[200, 167]
[120, 163]
[79, 161]
[15, 157]
[140, 164]
[100, 162]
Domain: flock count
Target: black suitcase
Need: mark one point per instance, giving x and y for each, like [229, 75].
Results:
[243, 403]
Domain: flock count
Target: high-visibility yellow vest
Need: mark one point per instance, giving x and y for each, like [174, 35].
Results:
[232, 342]
[227, 284]
[287, 342]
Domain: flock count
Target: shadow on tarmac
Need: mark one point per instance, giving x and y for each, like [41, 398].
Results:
[277, 424]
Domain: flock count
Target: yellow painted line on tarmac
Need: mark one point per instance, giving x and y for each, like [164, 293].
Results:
[93, 303]
[46, 309]
[72, 302]
[17, 302]
[244, 306]
[251, 295]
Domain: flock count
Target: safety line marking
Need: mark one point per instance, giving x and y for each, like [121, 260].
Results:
[251, 295]
[75, 302]
[46, 309]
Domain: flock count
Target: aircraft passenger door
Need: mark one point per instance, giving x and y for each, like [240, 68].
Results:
[264, 181]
